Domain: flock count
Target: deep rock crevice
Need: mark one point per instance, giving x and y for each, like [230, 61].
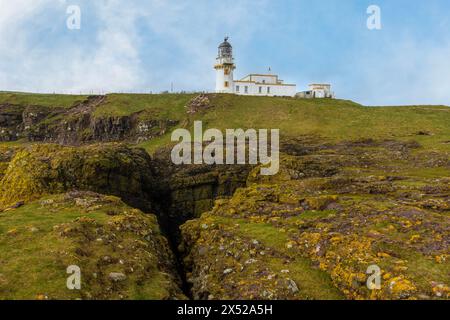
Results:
[185, 192]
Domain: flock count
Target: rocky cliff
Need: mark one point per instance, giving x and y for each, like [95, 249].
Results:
[111, 169]
[140, 227]
[77, 124]
[318, 228]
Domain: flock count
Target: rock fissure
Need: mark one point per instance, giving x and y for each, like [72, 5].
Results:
[186, 193]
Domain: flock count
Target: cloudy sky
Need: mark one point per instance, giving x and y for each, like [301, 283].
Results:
[143, 46]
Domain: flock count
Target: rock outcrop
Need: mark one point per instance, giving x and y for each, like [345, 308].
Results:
[112, 169]
[117, 252]
[78, 124]
[330, 219]
[337, 211]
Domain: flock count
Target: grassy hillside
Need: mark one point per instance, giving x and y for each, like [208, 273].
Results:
[358, 186]
[161, 106]
[333, 120]
[337, 119]
[49, 100]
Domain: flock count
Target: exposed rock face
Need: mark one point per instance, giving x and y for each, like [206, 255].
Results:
[199, 103]
[119, 251]
[6, 155]
[77, 125]
[108, 168]
[192, 190]
[10, 122]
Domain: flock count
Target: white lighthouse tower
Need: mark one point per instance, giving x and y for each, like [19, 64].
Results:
[224, 68]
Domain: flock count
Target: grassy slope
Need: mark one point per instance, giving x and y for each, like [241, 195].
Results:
[34, 256]
[49, 100]
[159, 106]
[334, 120]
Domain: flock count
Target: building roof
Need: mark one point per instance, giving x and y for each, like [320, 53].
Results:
[250, 76]
[225, 44]
[262, 75]
[266, 84]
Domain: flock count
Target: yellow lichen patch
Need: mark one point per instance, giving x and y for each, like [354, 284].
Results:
[400, 287]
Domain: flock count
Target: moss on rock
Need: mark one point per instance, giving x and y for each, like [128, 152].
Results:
[109, 168]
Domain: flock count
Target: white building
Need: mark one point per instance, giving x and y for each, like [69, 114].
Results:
[317, 90]
[253, 84]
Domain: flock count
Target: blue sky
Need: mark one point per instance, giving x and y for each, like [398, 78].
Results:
[143, 46]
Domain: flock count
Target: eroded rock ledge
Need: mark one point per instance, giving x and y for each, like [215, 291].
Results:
[78, 124]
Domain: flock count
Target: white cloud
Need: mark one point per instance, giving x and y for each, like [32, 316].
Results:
[109, 62]
[109, 58]
[146, 45]
[403, 72]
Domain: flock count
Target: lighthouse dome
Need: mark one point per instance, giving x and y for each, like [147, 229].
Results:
[225, 44]
[225, 49]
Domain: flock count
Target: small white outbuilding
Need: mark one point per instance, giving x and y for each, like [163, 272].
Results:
[317, 90]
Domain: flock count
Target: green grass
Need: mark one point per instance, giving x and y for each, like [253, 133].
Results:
[48, 100]
[11, 144]
[152, 145]
[28, 260]
[428, 173]
[333, 120]
[158, 106]
[34, 262]
[420, 267]
[263, 232]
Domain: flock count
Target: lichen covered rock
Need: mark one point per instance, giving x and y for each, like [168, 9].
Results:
[324, 225]
[109, 168]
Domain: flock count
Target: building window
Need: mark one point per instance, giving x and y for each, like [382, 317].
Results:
[226, 84]
[260, 89]
[227, 72]
[268, 90]
[246, 89]
[237, 88]
[264, 81]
